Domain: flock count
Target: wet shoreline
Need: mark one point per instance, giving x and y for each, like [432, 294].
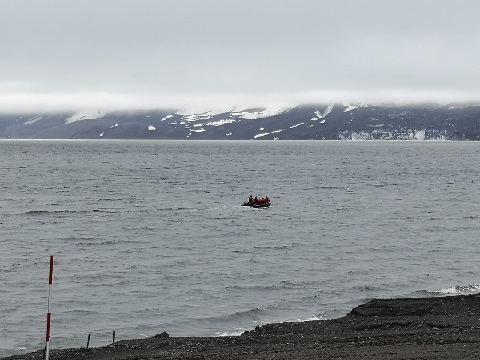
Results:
[404, 328]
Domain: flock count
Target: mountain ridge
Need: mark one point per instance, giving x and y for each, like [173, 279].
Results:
[303, 122]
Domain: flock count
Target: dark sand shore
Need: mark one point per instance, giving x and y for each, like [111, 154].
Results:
[420, 328]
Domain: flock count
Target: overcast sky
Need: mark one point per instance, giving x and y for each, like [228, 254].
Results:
[58, 54]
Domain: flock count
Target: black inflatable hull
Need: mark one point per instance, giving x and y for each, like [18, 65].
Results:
[256, 205]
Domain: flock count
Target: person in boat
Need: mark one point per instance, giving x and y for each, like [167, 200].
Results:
[250, 199]
[255, 201]
[267, 200]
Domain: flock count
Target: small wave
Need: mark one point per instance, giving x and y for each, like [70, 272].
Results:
[91, 241]
[312, 318]
[243, 251]
[287, 284]
[277, 247]
[378, 185]
[251, 314]
[245, 314]
[107, 199]
[7, 310]
[106, 211]
[256, 288]
[368, 288]
[331, 187]
[48, 212]
[173, 209]
[80, 312]
[234, 333]
[37, 212]
[456, 290]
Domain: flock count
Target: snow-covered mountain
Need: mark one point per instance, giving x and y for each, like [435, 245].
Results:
[329, 122]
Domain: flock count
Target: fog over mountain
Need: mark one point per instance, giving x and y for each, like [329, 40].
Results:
[110, 55]
[303, 122]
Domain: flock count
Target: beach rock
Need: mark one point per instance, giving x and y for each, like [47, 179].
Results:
[162, 335]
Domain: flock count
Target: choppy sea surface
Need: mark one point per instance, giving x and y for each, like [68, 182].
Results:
[149, 236]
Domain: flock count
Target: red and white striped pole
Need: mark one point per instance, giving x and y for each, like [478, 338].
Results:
[49, 315]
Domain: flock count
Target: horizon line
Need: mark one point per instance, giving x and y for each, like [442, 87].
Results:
[20, 102]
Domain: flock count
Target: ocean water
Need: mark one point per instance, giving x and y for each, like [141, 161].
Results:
[149, 236]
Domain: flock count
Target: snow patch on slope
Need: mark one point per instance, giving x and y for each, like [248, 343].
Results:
[350, 108]
[267, 133]
[84, 115]
[204, 119]
[33, 120]
[260, 135]
[269, 112]
[196, 116]
[321, 116]
[167, 117]
[221, 122]
[326, 112]
[294, 126]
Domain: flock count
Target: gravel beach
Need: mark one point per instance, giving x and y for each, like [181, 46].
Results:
[405, 328]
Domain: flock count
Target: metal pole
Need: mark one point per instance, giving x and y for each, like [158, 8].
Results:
[49, 315]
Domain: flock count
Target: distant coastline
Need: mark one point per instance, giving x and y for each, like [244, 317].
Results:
[303, 122]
